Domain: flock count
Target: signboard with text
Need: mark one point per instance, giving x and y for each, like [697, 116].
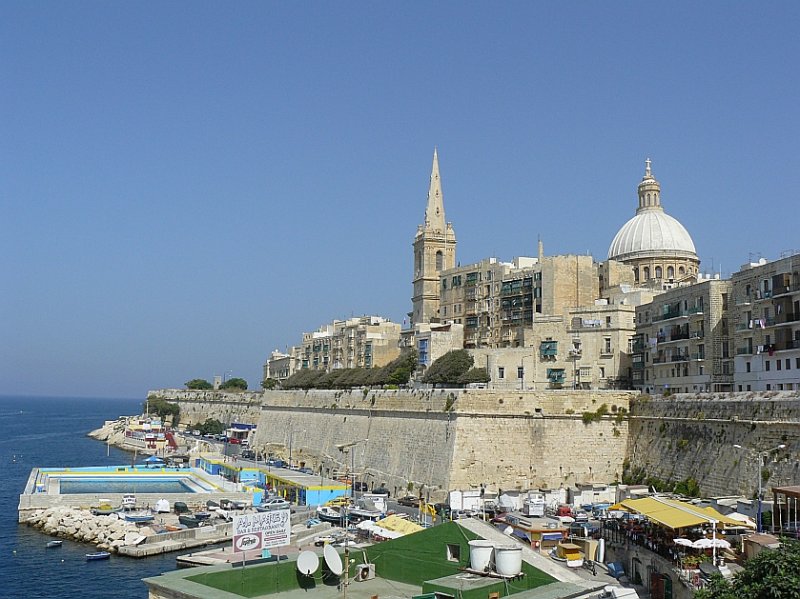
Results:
[262, 530]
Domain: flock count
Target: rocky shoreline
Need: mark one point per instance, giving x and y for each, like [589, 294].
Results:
[109, 533]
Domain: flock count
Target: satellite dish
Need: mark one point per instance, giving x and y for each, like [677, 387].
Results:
[333, 560]
[307, 562]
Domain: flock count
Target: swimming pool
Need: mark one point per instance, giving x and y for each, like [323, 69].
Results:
[125, 485]
[121, 479]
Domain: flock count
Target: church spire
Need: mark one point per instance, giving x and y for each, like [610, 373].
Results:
[434, 212]
[649, 190]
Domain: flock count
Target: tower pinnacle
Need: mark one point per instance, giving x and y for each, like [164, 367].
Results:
[434, 212]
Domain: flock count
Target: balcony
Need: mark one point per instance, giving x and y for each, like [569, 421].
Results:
[763, 295]
[744, 351]
[744, 300]
[670, 314]
[697, 310]
[697, 357]
[697, 335]
[660, 360]
[680, 358]
[786, 345]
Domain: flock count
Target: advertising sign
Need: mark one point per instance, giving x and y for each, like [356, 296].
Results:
[262, 530]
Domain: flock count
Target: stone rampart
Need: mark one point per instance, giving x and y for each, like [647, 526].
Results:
[436, 440]
[693, 436]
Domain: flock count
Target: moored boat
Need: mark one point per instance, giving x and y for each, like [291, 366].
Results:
[97, 555]
[54, 543]
[189, 520]
[139, 517]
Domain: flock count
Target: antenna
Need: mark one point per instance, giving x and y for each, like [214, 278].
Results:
[333, 560]
[307, 563]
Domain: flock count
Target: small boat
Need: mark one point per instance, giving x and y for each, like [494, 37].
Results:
[211, 504]
[189, 520]
[139, 517]
[330, 514]
[104, 509]
[97, 555]
[51, 544]
[202, 515]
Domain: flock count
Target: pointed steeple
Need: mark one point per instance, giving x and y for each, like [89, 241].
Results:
[434, 212]
[649, 190]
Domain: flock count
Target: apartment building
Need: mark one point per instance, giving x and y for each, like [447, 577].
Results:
[766, 321]
[683, 340]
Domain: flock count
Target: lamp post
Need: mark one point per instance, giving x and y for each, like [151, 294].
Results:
[522, 372]
[341, 447]
[760, 456]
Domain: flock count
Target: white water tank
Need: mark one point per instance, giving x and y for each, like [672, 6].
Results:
[480, 554]
[508, 560]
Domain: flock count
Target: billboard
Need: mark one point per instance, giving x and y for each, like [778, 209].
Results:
[262, 530]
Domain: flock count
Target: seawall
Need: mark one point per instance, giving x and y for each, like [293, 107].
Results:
[693, 436]
[432, 441]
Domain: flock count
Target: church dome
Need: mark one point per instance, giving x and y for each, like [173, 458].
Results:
[652, 232]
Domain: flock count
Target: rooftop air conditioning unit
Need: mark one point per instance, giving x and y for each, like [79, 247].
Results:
[365, 572]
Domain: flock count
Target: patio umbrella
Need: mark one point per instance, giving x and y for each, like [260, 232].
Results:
[683, 542]
[709, 543]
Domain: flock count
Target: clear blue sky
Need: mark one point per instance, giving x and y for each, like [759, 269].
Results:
[187, 186]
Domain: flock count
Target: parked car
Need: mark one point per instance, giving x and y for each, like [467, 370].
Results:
[248, 454]
[443, 509]
[459, 514]
[580, 516]
[274, 503]
[276, 463]
[408, 500]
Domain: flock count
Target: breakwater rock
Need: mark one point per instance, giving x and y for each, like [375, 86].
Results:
[107, 532]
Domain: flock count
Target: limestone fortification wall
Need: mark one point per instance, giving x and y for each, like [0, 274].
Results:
[684, 436]
[456, 439]
[434, 440]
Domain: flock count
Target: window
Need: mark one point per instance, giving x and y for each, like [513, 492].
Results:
[778, 364]
[501, 373]
[444, 283]
[670, 272]
[658, 272]
[453, 552]
[646, 272]
[766, 365]
[747, 366]
[439, 260]
[602, 372]
[422, 350]
[520, 372]
[607, 345]
[788, 364]
[769, 387]
[608, 322]
[797, 362]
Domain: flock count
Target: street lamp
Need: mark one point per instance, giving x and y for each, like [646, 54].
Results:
[341, 447]
[760, 456]
[291, 436]
[521, 372]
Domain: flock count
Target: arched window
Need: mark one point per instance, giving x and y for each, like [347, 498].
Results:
[439, 260]
[670, 272]
[419, 262]
[646, 272]
[681, 270]
[636, 274]
[658, 272]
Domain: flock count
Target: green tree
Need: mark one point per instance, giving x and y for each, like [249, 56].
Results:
[212, 426]
[234, 384]
[199, 384]
[162, 409]
[268, 384]
[475, 375]
[772, 574]
[449, 369]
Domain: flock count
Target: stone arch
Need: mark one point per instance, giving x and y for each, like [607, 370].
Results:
[670, 272]
[658, 272]
[646, 273]
[439, 260]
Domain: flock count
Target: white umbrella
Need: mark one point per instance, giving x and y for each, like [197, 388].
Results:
[684, 542]
[709, 543]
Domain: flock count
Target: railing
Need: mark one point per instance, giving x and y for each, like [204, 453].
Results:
[698, 356]
[743, 351]
[680, 358]
[695, 310]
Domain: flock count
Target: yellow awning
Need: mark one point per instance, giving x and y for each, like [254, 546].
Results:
[397, 524]
[676, 514]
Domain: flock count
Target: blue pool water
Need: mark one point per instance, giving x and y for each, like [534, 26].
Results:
[69, 487]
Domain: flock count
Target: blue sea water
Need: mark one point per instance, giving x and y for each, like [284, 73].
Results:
[51, 432]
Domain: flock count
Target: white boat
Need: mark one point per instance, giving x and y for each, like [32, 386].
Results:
[331, 514]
